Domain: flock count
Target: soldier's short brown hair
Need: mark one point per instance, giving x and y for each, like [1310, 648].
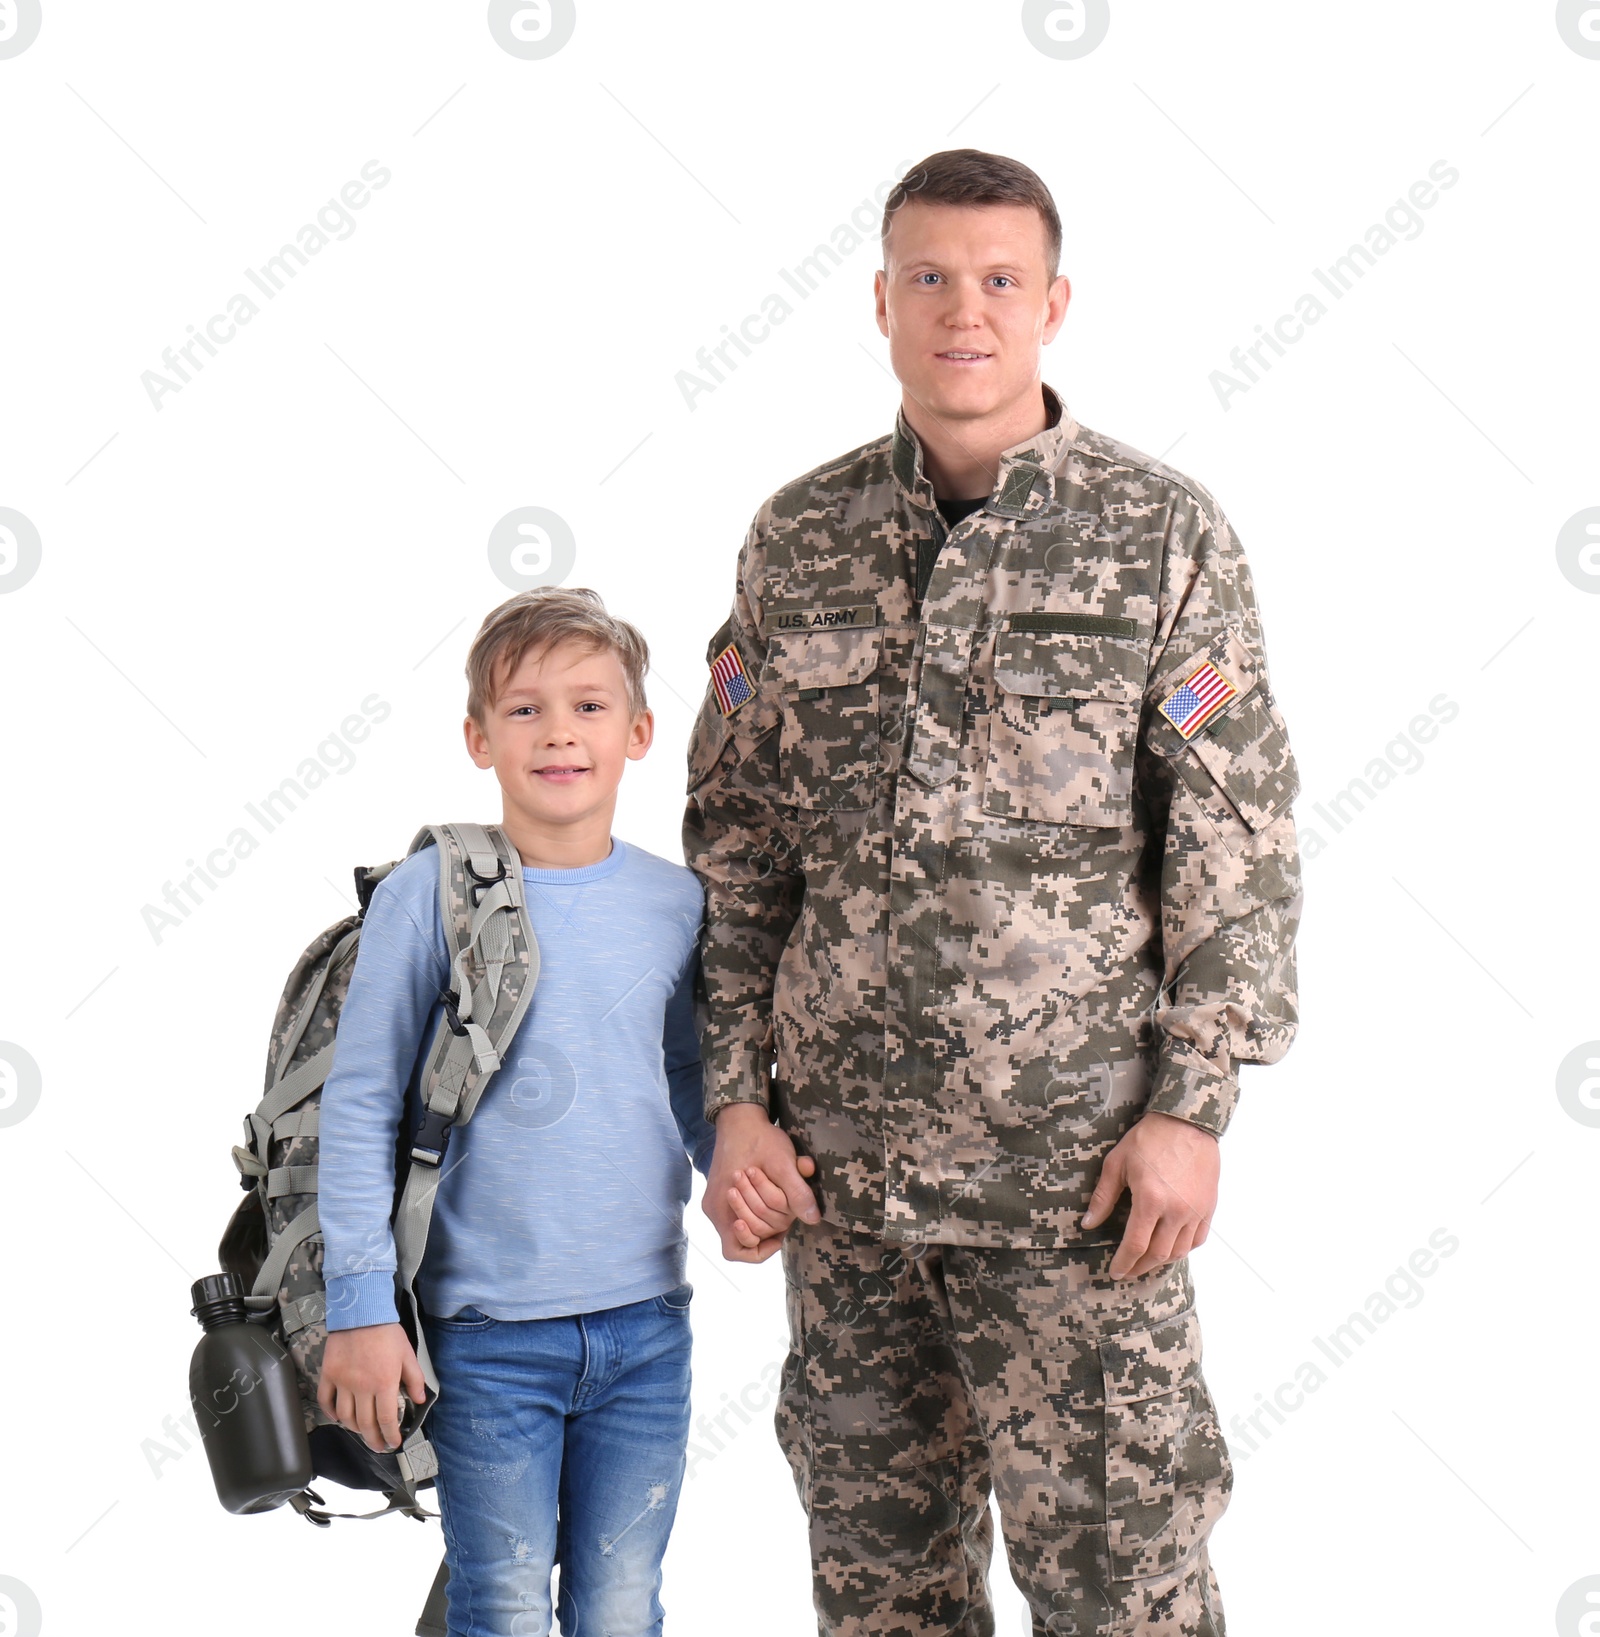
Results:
[968, 176]
[534, 621]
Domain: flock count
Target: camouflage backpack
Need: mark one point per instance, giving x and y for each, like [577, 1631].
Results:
[274, 1242]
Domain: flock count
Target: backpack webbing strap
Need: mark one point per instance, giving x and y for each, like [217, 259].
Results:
[264, 1293]
[271, 1115]
[432, 1621]
[308, 1503]
[300, 1122]
[488, 945]
[295, 1086]
[483, 910]
[291, 1179]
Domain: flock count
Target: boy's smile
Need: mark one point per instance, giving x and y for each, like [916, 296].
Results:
[558, 736]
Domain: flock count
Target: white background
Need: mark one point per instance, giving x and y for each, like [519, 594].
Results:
[224, 579]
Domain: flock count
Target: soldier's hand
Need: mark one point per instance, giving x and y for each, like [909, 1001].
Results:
[747, 1140]
[1171, 1168]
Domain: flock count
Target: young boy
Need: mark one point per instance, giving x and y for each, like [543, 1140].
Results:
[552, 1292]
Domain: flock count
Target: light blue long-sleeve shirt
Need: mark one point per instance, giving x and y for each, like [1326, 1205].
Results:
[565, 1192]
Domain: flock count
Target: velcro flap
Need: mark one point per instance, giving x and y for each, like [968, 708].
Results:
[1069, 664]
[1231, 657]
[820, 658]
[855, 617]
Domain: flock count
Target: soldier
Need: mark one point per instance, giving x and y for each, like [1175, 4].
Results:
[991, 800]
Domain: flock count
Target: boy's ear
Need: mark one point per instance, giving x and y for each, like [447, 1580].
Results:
[641, 734]
[477, 743]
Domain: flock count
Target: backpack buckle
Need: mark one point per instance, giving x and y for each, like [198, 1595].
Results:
[453, 1017]
[432, 1137]
[365, 887]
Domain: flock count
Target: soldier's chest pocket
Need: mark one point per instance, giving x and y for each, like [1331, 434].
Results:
[1063, 727]
[829, 750]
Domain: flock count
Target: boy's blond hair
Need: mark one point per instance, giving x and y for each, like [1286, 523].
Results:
[532, 622]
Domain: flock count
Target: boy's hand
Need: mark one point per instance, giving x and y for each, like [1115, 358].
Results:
[747, 1140]
[760, 1207]
[362, 1372]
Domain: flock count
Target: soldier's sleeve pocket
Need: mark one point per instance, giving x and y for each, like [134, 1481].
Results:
[706, 739]
[1168, 1475]
[743, 728]
[1239, 766]
[1063, 726]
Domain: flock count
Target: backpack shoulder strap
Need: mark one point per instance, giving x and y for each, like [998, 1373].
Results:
[494, 967]
[487, 931]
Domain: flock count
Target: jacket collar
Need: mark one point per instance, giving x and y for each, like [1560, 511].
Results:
[1023, 467]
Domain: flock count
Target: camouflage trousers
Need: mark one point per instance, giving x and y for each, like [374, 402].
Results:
[921, 1377]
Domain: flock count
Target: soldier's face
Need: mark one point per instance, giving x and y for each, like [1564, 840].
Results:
[559, 734]
[967, 303]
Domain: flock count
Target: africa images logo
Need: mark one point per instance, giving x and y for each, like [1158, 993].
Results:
[1066, 29]
[19, 26]
[532, 28]
[1577, 549]
[1579, 24]
[20, 550]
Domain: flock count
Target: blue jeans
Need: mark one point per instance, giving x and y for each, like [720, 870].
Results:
[560, 1441]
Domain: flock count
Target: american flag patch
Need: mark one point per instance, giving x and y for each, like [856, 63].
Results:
[729, 681]
[1197, 699]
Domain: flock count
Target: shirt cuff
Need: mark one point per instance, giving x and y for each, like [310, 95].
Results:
[355, 1299]
[715, 1105]
[1188, 1087]
[738, 1071]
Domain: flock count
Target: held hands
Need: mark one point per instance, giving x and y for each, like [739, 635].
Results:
[1171, 1168]
[362, 1372]
[760, 1206]
[757, 1186]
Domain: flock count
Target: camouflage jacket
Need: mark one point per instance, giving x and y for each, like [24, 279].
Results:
[968, 887]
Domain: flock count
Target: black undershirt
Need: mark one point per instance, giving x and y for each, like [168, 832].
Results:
[955, 510]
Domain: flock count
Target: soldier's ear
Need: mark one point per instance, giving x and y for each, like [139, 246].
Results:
[1060, 296]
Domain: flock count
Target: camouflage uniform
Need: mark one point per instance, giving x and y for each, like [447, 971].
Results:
[974, 905]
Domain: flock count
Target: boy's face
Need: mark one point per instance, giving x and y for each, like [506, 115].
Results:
[967, 279]
[559, 733]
